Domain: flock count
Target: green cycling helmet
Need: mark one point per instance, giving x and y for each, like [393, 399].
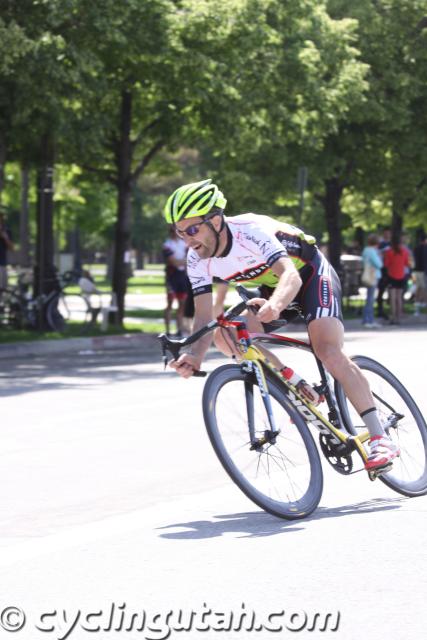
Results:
[192, 200]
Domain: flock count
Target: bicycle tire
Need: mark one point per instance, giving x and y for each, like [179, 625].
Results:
[295, 459]
[409, 473]
[67, 311]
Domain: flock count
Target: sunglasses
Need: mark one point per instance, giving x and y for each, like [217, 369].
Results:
[193, 229]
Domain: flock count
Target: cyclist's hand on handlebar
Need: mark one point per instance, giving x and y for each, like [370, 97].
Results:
[186, 365]
[268, 311]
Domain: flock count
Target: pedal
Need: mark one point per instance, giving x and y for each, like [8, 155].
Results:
[374, 473]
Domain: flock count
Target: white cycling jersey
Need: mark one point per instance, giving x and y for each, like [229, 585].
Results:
[254, 244]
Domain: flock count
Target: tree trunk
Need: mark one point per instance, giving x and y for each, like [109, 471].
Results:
[332, 205]
[137, 229]
[45, 274]
[124, 212]
[2, 163]
[139, 257]
[396, 220]
[77, 250]
[24, 228]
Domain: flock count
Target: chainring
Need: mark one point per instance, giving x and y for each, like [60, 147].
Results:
[336, 454]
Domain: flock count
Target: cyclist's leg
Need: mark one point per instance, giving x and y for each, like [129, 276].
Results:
[321, 302]
[226, 340]
[327, 340]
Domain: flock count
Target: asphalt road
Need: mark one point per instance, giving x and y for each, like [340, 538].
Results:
[114, 507]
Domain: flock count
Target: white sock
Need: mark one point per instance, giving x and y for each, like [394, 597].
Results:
[372, 422]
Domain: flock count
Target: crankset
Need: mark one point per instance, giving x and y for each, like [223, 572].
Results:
[336, 453]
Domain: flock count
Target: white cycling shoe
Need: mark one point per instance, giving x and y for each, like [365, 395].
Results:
[382, 453]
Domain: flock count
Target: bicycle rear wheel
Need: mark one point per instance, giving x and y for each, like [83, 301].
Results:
[68, 313]
[284, 478]
[409, 431]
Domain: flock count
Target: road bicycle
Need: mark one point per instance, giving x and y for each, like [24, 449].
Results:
[261, 426]
[57, 310]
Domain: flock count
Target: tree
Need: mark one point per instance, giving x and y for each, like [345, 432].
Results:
[159, 69]
[306, 81]
[38, 112]
[381, 145]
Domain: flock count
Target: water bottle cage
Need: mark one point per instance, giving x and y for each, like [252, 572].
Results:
[304, 389]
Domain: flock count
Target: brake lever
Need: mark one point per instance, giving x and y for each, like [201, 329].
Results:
[174, 347]
[243, 293]
[167, 345]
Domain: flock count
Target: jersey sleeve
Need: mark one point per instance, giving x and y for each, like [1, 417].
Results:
[198, 274]
[265, 243]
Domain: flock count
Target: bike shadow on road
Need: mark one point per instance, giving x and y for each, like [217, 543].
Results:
[48, 374]
[257, 524]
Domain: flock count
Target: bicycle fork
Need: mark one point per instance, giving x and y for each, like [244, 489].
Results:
[270, 435]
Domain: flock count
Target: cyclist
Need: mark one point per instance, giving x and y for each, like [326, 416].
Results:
[289, 267]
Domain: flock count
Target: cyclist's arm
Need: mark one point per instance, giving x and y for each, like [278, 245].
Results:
[192, 360]
[221, 292]
[286, 290]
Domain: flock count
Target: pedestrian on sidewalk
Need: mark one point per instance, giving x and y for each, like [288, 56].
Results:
[175, 256]
[372, 265]
[396, 261]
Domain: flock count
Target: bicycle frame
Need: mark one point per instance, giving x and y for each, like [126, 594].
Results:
[252, 358]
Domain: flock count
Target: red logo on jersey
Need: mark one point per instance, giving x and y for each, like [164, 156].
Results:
[325, 291]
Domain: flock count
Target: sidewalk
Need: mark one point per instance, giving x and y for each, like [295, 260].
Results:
[147, 344]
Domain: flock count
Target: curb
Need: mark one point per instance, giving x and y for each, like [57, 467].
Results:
[146, 343]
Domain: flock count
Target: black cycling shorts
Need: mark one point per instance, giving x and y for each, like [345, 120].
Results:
[320, 295]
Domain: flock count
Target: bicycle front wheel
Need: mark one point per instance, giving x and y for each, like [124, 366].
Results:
[283, 477]
[403, 423]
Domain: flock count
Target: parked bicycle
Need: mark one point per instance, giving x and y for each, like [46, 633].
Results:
[261, 426]
[59, 310]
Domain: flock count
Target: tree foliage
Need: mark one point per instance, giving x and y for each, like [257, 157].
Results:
[117, 94]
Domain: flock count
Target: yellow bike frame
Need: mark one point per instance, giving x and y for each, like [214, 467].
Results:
[250, 353]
